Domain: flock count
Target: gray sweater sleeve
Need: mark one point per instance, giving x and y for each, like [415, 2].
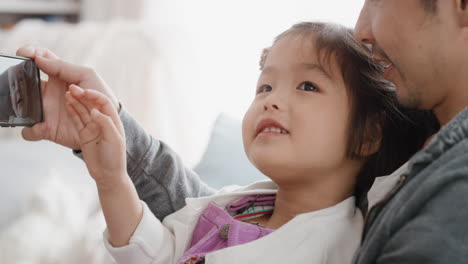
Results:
[157, 172]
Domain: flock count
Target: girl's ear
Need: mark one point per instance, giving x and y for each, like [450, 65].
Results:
[264, 57]
[373, 140]
[462, 12]
[461, 16]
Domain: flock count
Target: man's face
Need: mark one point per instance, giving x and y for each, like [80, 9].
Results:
[18, 90]
[416, 46]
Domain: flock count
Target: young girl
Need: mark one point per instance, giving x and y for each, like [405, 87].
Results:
[322, 125]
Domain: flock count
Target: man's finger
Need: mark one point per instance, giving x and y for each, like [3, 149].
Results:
[62, 70]
[43, 87]
[77, 121]
[33, 133]
[32, 52]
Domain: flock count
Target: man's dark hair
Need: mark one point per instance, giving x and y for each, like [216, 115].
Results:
[429, 5]
[376, 119]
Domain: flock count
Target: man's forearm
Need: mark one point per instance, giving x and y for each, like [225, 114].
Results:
[159, 175]
[157, 172]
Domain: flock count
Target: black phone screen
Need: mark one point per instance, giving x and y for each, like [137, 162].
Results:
[20, 92]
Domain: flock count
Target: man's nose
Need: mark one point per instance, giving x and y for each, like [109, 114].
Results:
[363, 28]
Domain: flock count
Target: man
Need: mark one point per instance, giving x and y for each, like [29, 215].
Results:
[423, 218]
[15, 94]
[424, 45]
[6, 109]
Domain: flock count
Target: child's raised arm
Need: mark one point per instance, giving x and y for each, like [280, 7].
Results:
[102, 142]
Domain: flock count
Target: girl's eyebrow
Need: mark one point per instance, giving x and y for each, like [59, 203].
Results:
[307, 66]
[268, 70]
[315, 67]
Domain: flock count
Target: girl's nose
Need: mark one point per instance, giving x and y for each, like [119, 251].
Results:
[267, 107]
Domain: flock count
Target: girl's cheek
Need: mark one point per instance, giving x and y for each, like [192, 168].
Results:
[248, 123]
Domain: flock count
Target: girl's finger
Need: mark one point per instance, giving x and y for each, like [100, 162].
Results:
[79, 108]
[76, 91]
[77, 122]
[98, 100]
[108, 129]
[93, 99]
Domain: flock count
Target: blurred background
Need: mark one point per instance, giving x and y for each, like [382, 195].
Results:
[185, 69]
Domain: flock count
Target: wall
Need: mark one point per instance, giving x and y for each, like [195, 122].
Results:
[227, 37]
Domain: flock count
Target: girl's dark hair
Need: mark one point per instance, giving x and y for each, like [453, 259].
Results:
[376, 117]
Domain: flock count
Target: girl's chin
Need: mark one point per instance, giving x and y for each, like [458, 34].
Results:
[272, 167]
[267, 161]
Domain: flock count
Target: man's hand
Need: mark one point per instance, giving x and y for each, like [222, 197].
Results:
[58, 125]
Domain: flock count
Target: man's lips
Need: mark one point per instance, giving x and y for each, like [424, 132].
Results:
[388, 71]
[386, 63]
[270, 126]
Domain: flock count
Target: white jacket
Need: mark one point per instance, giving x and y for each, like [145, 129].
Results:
[330, 235]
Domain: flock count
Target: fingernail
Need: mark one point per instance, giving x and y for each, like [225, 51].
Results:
[78, 89]
[28, 50]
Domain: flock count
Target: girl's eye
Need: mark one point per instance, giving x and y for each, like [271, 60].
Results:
[308, 86]
[264, 88]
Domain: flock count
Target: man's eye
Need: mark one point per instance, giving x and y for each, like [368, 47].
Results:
[308, 86]
[264, 88]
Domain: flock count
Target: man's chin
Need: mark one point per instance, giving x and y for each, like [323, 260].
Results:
[408, 100]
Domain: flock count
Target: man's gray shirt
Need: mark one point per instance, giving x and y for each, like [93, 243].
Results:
[425, 218]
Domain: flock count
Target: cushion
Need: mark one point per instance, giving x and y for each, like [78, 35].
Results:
[224, 161]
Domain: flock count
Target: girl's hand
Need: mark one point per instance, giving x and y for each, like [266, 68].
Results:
[102, 141]
[101, 135]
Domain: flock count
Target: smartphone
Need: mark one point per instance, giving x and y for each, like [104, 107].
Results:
[20, 92]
